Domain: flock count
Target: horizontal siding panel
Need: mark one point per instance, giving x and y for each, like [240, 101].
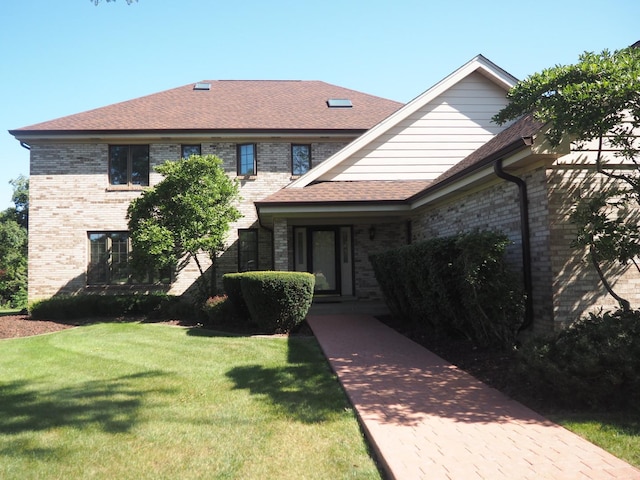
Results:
[346, 177]
[428, 163]
[432, 139]
[385, 169]
[424, 138]
[459, 128]
[452, 153]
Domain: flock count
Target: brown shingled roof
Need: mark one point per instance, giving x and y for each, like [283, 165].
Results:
[231, 105]
[396, 191]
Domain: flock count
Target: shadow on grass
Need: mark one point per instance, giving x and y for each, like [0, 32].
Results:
[305, 390]
[111, 405]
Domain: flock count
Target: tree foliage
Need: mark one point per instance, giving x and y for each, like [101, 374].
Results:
[596, 99]
[20, 198]
[187, 214]
[13, 247]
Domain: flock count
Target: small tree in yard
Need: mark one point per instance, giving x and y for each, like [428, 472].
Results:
[185, 215]
[597, 99]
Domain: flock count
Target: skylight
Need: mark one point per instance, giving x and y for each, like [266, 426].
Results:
[202, 86]
[339, 103]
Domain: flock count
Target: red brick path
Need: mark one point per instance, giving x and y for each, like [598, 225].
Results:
[427, 419]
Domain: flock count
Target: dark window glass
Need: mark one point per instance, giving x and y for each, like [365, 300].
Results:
[98, 263]
[118, 161]
[129, 165]
[247, 159]
[300, 159]
[188, 150]
[247, 249]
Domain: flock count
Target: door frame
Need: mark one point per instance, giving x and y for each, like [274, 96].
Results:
[344, 255]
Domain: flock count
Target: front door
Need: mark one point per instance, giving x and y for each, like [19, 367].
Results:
[323, 263]
[326, 253]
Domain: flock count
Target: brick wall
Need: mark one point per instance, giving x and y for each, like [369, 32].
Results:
[565, 284]
[70, 196]
[576, 286]
[496, 208]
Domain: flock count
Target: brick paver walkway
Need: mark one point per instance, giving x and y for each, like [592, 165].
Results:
[427, 419]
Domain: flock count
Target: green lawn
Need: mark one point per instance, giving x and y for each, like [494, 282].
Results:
[135, 401]
[618, 433]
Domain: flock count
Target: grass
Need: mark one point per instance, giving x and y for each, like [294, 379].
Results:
[136, 401]
[616, 432]
[9, 311]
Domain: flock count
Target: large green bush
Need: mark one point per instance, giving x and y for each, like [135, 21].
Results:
[233, 288]
[67, 307]
[277, 301]
[595, 362]
[458, 285]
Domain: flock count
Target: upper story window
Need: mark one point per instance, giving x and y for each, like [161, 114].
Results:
[129, 165]
[300, 159]
[188, 150]
[247, 159]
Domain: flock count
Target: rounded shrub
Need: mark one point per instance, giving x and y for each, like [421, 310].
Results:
[233, 289]
[277, 301]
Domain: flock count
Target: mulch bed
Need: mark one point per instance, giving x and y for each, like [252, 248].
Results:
[14, 326]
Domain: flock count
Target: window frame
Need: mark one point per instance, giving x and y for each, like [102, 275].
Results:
[190, 145]
[130, 165]
[239, 156]
[293, 162]
[255, 250]
[112, 273]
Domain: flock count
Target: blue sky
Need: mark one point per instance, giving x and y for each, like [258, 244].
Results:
[64, 57]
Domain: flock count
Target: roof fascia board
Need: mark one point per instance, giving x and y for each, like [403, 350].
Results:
[478, 63]
[293, 209]
[168, 135]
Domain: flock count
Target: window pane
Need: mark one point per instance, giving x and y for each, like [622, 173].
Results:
[98, 261]
[246, 159]
[247, 250]
[140, 165]
[188, 150]
[119, 258]
[118, 156]
[301, 159]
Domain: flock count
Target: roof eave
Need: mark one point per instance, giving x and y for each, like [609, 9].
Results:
[31, 135]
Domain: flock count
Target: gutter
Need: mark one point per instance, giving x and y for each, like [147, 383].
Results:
[525, 234]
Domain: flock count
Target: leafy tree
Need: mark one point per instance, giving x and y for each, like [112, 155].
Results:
[185, 215]
[20, 198]
[596, 99]
[13, 247]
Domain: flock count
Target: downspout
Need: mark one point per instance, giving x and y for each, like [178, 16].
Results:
[526, 242]
[25, 145]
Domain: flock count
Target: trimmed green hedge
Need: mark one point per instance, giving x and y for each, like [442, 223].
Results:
[276, 301]
[233, 289]
[458, 285]
[67, 307]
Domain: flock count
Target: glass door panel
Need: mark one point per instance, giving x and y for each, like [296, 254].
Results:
[323, 260]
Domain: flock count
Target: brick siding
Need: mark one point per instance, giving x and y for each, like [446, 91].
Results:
[70, 196]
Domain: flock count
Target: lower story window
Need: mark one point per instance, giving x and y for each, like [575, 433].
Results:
[247, 249]
[109, 254]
